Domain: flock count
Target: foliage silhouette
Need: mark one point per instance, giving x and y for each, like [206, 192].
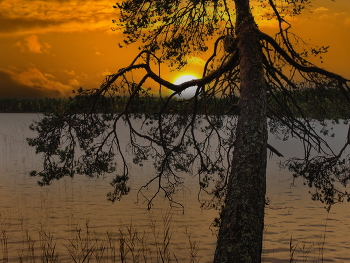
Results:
[227, 152]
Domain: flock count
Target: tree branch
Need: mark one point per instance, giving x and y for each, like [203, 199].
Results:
[292, 62]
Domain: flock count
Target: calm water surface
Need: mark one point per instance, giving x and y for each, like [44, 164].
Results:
[69, 204]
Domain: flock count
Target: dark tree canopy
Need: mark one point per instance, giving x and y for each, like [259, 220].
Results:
[251, 83]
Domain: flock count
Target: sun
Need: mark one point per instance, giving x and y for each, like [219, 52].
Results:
[190, 91]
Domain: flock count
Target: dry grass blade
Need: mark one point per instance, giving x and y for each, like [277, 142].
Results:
[4, 244]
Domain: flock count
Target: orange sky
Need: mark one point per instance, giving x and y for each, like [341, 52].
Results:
[49, 47]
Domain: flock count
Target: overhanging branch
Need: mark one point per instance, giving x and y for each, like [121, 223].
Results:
[292, 62]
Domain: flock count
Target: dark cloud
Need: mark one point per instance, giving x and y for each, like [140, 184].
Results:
[54, 15]
[10, 88]
[79, 1]
[9, 25]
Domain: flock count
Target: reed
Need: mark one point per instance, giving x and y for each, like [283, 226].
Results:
[4, 248]
[193, 248]
[126, 245]
[49, 253]
[302, 251]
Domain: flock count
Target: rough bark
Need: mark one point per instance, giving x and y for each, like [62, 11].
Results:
[242, 217]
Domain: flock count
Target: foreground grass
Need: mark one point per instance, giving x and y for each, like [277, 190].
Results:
[128, 245]
[125, 245]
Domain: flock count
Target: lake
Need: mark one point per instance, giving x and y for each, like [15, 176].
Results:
[73, 219]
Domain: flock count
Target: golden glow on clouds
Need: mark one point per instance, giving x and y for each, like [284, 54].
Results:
[39, 16]
[50, 47]
[196, 61]
[32, 83]
[320, 9]
[32, 44]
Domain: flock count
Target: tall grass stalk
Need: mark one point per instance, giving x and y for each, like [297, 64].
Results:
[193, 248]
[81, 247]
[4, 249]
[126, 245]
[305, 250]
[48, 247]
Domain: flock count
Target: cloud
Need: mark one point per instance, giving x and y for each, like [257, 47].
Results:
[324, 17]
[31, 83]
[69, 72]
[32, 44]
[341, 14]
[335, 18]
[196, 61]
[105, 73]
[74, 83]
[27, 17]
[321, 9]
[15, 22]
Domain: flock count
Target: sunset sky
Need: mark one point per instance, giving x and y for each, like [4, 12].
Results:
[50, 47]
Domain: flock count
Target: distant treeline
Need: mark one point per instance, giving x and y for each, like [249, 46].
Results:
[115, 105]
[32, 105]
[49, 105]
[320, 103]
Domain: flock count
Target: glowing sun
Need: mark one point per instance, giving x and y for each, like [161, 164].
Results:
[190, 91]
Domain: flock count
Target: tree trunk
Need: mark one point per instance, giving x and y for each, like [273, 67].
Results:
[242, 217]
